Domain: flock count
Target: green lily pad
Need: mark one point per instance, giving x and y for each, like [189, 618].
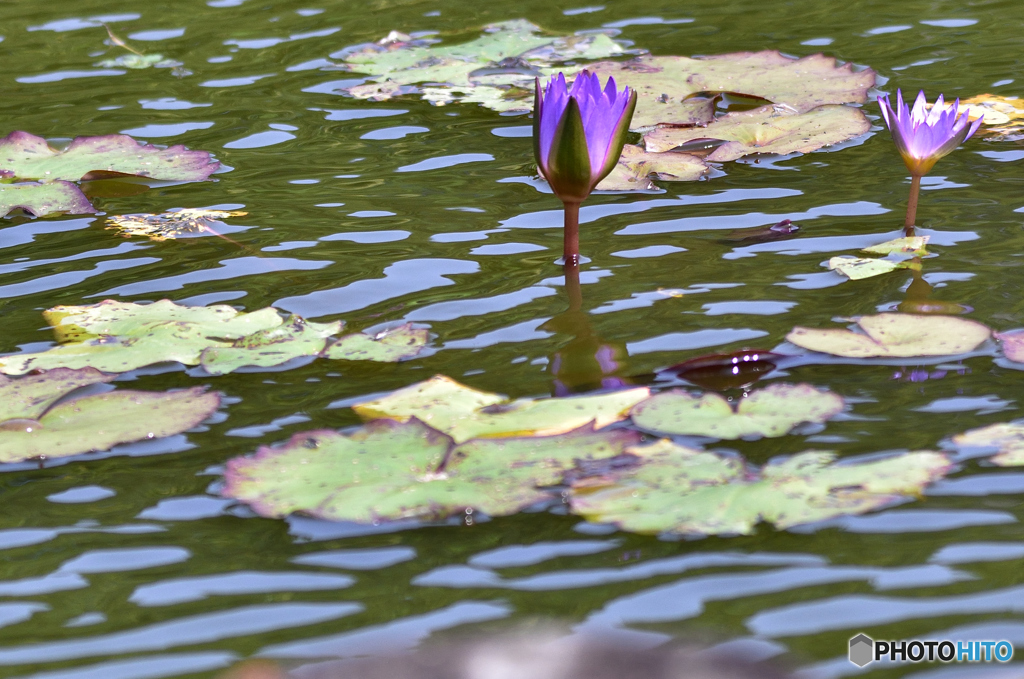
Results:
[910, 245]
[1008, 438]
[636, 168]
[680, 490]
[27, 156]
[1012, 342]
[494, 70]
[294, 338]
[29, 397]
[665, 85]
[772, 411]
[390, 346]
[465, 413]
[859, 268]
[44, 198]
[93, 423]
[895, 335]
[391, 470]
[769, 129]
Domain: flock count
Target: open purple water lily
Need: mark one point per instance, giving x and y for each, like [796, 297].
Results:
[578, 136]
[923, 136]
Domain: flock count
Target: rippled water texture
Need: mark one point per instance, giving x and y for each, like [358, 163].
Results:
[129, 566]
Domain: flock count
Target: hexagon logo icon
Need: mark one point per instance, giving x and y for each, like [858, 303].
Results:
[862, 650]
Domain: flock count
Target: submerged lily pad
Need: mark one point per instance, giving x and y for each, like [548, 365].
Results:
[636, 168]
[139, 61]
[681, 490]
[44, 198]
[294, 338]
[171, 224]
[494, 70]
[772, 411]
[1012, 342]
[859, 268]
[98, 422]
[465, 413]
[769, 129]
[27, 156]
[391, 470]
[1008, 438]
[390, 346]
[666, 85]
[895, 335]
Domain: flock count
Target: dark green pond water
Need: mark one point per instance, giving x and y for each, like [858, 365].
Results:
[129, 566]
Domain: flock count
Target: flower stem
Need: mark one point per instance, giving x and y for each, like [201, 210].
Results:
[572, 286]
[571, 235]
[915, 191]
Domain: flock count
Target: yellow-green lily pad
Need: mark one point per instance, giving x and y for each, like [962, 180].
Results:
[294, 338]
[770, 412]
[636, 168]
[390, 346]
[1008, 438]
[29, 397]
[674, 489]
[908, 245]
[895, 335]
[465, 413]
[40, 199]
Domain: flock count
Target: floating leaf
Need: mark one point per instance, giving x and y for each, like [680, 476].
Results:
[390, 346]
[92, 423]
[636, 168]
[494, 70]
[685, 491]
[895, 335]
[138, 61]
[772, 411]
[171, 224]
[769, 129]
[29, 397]
[465, 413]
[911, 245]
[294, 338]
[1012, 342]
[858, 268]
[666, 85]
[389, 470]
[726, 371]
[764, 234]
[27, 156]
[1004, 116]
[1008, 438]
[44, 198]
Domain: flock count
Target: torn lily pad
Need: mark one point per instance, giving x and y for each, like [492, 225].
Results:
[172, 224]
[895, 335]
[859, 268]
[295, 338]
[769, 412]
[769, 129]
[27, 156]
[636, 168]
[1007, 438]
[667, 85]
[681, 490]
[391, 470]
[44, 198]
[92, 423]
[495, 70]
[908, 245]
[465, 413]
[390, 346]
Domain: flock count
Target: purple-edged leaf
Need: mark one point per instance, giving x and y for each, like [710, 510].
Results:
[93, 423]
[44, 198]
[27, 156]
[674, 489]
[398, 470]
[29, 397]
[1012, 342]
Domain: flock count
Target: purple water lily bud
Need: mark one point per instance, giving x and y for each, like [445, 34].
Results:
[578, 134]
[923, 136]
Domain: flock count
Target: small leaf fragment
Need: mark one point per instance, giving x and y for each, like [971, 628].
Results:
[171, 224]
[859, 268]
[769, 412]
[911, 245]
[1007, 438]
[895, 335]
[390, 346]
[1012, 342]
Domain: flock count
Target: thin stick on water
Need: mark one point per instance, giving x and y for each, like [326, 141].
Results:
[571, 235]
[121, 43]
[915, 192]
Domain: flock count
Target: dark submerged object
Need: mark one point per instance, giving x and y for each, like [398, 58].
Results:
[719, 372]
